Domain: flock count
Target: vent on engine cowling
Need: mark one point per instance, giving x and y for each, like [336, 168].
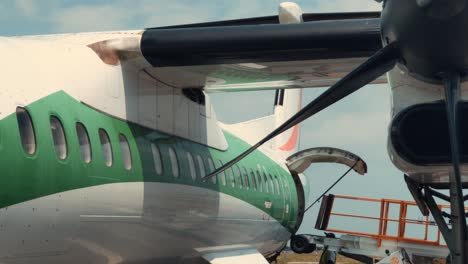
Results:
[419, 134]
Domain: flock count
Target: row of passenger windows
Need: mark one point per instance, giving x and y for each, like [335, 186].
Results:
[258, 179]
[28, 140]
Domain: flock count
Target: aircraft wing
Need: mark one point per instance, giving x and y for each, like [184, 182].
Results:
[259, 54]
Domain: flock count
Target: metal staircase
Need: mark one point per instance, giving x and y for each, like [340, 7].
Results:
[386, 229]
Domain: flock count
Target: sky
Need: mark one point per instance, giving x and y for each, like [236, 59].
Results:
[359, 123]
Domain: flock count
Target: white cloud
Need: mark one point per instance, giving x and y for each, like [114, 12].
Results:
[177, 13]
[248, 8]
[365, 130]
[78, 16]
[90, 18]
[27, 7]
[345, 6]
[123, 15]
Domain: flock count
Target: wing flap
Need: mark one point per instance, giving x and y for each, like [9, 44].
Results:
[255, 77]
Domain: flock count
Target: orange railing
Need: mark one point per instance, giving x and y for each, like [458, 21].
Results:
[384, 219]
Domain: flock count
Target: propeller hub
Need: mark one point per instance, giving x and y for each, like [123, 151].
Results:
[431, 35]
[442, 9]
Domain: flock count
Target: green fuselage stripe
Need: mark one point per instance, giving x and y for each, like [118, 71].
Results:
[25, 177]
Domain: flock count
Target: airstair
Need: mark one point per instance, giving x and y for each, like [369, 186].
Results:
[368, 228]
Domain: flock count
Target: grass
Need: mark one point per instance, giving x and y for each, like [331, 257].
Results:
[289, 257]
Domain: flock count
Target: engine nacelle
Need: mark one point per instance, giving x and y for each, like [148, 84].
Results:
[419, 143]
[420, 134]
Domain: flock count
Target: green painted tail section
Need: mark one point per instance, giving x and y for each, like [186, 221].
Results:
[25, 177]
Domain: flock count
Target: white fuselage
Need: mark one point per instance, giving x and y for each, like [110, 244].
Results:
[121, 222]
[408, 92]
[138, 222]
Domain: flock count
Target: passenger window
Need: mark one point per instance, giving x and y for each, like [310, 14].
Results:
[212, 168]
[26, 129]
[106, 147]
[238, 175]
[174, 162]
[265, 182]
[201, 166]
[83, 140]
[272, 187]
[254, 182]
[280, 185]
[277, 185]
[231, 172]
[222, 174]
[259, 180]
[158, 167]
[58, 135]
[126, 154]
[191, 163]
[246, 178]
[286, 191]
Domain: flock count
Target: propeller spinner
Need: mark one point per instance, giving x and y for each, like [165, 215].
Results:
[431, 35]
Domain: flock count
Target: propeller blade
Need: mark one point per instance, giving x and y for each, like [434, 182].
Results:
[327, 256]
[381, 62]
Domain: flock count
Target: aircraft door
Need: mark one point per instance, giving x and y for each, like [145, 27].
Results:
[300, 161]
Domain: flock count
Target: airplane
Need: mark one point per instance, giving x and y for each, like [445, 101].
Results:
[112, 152]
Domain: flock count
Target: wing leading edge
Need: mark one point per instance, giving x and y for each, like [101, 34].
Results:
[229, 58]
[318, 40]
